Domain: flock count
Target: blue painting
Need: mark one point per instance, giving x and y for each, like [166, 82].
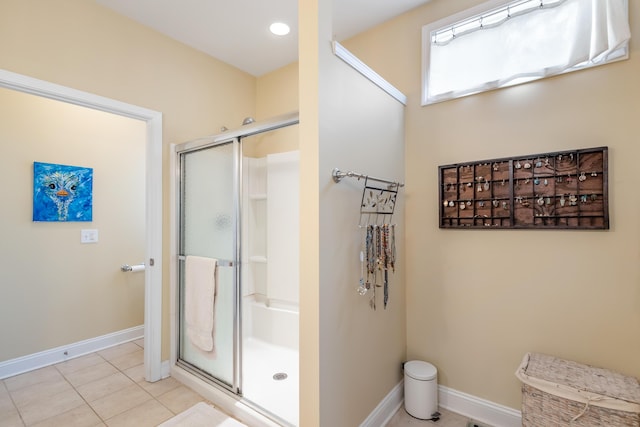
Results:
[62, 193]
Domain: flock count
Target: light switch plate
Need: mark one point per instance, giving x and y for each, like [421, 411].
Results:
[89, 236]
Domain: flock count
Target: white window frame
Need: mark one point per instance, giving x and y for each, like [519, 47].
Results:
[480, 9]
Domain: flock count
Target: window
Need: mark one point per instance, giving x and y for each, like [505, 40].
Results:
[500, 44]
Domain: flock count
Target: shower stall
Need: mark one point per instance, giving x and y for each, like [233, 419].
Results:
[236, 198]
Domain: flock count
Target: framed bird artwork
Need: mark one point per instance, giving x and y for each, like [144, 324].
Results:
[62, 193]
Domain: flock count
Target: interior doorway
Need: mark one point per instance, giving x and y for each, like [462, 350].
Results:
[153, 197]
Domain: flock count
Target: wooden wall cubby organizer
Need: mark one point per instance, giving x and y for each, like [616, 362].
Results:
[558, 190]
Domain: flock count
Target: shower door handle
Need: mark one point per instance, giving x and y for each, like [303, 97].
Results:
[221, 262]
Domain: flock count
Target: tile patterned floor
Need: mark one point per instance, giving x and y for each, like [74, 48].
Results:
[106, 388]
[447, 419]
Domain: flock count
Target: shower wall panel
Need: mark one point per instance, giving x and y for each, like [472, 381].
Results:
[283, 248]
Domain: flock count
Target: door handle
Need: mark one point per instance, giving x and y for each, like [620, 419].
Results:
[132, 268]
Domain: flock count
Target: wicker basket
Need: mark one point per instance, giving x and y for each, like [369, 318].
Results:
[558, 392]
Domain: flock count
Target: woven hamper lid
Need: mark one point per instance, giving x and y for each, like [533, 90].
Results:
[600, 387]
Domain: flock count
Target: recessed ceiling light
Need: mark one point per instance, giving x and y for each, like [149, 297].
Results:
[279, 29]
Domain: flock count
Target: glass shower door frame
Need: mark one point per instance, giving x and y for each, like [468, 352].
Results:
[235, 137]
[236, 374]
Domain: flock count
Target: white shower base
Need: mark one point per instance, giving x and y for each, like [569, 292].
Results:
[262, 361]
[270, 347]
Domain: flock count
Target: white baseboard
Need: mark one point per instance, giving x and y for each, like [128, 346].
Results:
[475, 408]
[385, 410]
[33, 361]
[478, 409]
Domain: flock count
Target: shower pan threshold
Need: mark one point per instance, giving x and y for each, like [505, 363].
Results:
[240, 408]
[223, 399]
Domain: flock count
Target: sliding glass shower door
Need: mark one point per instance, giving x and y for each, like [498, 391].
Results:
[209, 229]
[238, 205]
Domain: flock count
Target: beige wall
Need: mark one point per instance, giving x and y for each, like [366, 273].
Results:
[277, 92]
[350, 355]
[478, 300]
[55, 290]
[82, 45]
[361, 350]
[310, 369]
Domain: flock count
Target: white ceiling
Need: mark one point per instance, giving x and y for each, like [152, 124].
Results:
[237, 31]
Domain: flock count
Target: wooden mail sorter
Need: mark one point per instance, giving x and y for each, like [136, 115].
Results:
[558, 190]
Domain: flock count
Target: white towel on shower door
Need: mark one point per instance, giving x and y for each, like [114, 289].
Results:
[199, 300]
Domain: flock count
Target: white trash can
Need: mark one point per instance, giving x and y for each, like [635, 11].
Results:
[420, 389]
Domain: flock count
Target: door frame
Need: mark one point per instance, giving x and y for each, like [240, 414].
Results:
[153, 203]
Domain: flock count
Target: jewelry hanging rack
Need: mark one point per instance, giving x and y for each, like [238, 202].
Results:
[338, 175]
[378, 204]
